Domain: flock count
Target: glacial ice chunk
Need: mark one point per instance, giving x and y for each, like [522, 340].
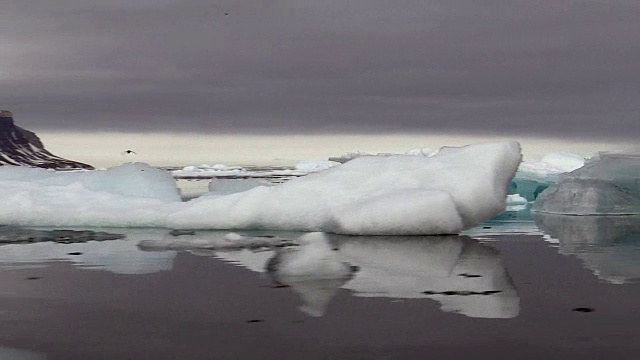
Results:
[393, 195]
[608, 184]
[455, 189]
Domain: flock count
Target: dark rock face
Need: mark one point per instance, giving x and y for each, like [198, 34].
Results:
[22, 147]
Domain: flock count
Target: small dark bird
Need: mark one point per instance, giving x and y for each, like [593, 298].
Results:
[226, 14]
[128, 152]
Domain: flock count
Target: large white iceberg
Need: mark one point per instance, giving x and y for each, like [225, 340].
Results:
[453, 190]
[609, 184]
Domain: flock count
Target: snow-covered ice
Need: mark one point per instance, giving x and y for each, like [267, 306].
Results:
[443, 194]
[608, 184]
[372, 195]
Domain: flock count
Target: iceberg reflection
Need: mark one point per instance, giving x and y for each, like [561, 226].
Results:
[463, 275]
[114, 251]
[607, 245]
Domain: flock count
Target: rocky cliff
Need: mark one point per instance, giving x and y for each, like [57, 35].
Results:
[22, 147]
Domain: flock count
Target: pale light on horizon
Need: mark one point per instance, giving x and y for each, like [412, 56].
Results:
[106, 149]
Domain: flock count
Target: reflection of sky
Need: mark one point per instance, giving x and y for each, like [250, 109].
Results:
[117, 256]
[607, 245]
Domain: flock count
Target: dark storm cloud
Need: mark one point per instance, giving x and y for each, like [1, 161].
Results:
[543, 67]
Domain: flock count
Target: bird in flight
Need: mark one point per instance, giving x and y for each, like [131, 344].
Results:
[128, 152]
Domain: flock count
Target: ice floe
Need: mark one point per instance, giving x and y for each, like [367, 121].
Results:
[394, 195]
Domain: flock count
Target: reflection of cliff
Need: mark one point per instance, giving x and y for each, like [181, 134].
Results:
[463, 275]
[22, 147]
[608, 245]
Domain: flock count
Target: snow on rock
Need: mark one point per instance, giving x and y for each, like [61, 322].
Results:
[372, 195]
[456, 189]
[608, 184]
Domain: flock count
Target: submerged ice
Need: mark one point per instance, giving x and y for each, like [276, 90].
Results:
[455, 189]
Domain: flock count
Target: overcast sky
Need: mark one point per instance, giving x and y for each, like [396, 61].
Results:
[555, 67]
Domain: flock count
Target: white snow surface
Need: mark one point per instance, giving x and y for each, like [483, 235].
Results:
[455, 189]
[444, 194]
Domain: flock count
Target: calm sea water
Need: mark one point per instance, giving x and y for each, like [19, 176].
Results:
[521, 286]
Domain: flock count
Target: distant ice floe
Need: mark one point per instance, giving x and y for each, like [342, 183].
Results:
[225, 171]
[394, 195]
[608, 184]
[465, 276]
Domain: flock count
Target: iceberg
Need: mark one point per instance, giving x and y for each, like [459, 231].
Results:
[130, 195]
[608, 184]
[392, 195]
[453, 190]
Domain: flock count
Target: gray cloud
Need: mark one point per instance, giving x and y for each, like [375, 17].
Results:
[563, 68]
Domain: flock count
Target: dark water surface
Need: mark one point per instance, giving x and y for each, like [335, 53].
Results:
[523, 296]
